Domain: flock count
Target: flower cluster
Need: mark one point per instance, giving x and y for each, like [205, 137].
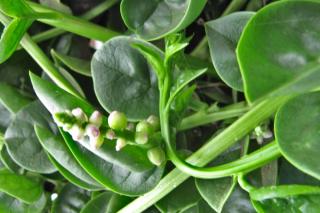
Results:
[77, 123]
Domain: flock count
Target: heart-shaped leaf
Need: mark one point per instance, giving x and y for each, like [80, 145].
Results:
[123, 80]
[279, 50]
[154, 19]
[21, 187]
[297, 132]
[22, 142]
[223, 36]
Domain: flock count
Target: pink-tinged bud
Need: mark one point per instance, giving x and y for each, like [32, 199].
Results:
[80, 115]
[110, 134]
[92, 130]
[131, 127]
[120, 144]
[154, 121]
[96, 142]
[76, 132]
[96, 118]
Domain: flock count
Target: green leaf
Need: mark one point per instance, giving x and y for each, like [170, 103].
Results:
[98, 204]
[75, 64]
[297, 132]
[12, 104]
[16, 8]
[216, 192]
[290, 198]
[5, 119]
[123, 80]
[155, 19]
[200, 207]
[183, 197]
[21, 187]
[63, 157]
[278, 51]
[116, 178]
[223, 36]
[239, 202]
[117, 202]
[7, 161]
[10, 204]
[12, 36]
[22, 143]
[57, 100]
[57, 5]
[70, 200]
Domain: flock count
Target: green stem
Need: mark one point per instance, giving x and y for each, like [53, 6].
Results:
[44, 62]
[202, 118]
[94, 12]
[74, 24]
[207, 153]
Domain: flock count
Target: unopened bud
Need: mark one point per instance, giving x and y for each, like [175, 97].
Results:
[120, 144]
[117, 120]
[110, 134]
[76, 132]
[96, 142]
[96, 118]
[130, 127]
[92, 130]
[156, 155]
[141, 137]
[144, 126]
[154, 121]
[80, 115]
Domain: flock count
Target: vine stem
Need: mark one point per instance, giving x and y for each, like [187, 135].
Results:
[94, 12]
[74, 24]
[208, 152]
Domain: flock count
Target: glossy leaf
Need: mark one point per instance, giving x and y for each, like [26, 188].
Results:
[16, 8]
[297, 131]
[239, 202]
[10, 204]
[98, 204]
[58, 150]
[21, 187]
[22, 143]
[184, 196]
[155, 19]
[70, 200]
[116, 178]
[117, 202]
[278, 51]
[123, 80]
[75, 64]
[291, 198]
[57, 100]
[7, 160]
[12, 104]
[5, 119]
[200, 207]
[223, 36]
[11, 37]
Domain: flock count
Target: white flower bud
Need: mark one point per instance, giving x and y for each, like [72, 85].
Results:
[80, 115]
[96, 118]
[120, 144]
[130, 127]
[66, 127]
[110, 134]
[76, 132]
[141, 137]
[92, 130]
[96, 142]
